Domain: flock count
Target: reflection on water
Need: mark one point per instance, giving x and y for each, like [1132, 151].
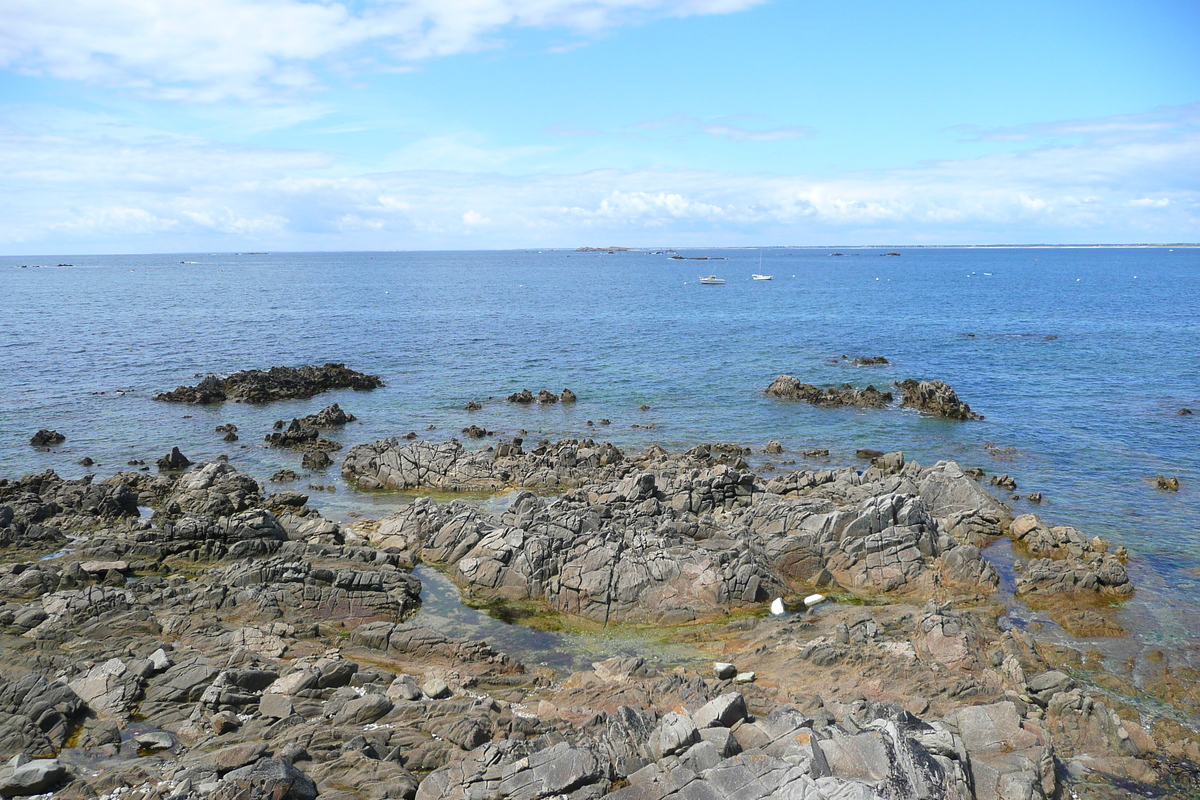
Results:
[442, 610]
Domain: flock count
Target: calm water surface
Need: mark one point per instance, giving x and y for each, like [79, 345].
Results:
[1079, 358]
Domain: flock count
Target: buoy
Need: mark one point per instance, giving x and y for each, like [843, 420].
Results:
[777, 607]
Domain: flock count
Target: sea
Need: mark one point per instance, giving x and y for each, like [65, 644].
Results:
[1079, 359]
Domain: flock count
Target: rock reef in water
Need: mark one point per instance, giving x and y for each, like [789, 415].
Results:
[276, 383]
[45, 438]
[264, 652]
[935, 397]
[787, 387]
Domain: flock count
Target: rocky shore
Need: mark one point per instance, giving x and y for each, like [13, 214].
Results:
[191, 635]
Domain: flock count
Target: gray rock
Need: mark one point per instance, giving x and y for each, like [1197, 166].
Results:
[1044, 686]
[726, 743]
[21, 776]
[154, 740]
[362, 710]
[725, 711]
[676, 734]
[404, 687]
[437, 689]
[723, 670]
[233, 757]
[271, 778]
[109, 689]
[275, 706]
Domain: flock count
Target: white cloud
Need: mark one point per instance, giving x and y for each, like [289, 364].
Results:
[65, 191]
[677, 126]
[210, 50]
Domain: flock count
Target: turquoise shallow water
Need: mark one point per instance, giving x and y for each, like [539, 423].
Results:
[1091, 414]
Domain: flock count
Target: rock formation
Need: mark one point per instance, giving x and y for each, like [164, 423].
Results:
[788, 388]
[276, 383]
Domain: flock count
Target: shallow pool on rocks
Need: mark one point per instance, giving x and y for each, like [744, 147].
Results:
[565, 652]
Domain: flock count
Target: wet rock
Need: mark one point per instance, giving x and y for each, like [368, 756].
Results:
[285, 475]
[1167, 484]
[174, 460]
[298, 436]
[472, 406]
[1004, 482]
[523, 397]
[277, 383]
[476, 432]
[46, 438]
[869, 361]
[789, 388]
[329, 417]
[545, 397]
[154, 741]
[317, 459]
[937, 398]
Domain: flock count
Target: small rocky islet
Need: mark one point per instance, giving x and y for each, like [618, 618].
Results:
[235, 643]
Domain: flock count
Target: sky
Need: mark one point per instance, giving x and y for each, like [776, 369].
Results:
[226, 125]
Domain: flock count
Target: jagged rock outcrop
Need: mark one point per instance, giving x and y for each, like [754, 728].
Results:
[46, 438]
[787, 387]
[298, 436]
[329, 417]
[276, 383]
[935, 397]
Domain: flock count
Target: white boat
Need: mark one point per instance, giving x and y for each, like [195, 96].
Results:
[713, 280]
[758, 276]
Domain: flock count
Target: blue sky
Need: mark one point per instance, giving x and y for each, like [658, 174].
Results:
[197, 125]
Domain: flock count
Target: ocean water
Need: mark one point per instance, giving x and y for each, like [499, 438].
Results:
[1079, 359]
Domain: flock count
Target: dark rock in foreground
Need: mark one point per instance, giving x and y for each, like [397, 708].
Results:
[788, 388]
[277, 383]
[937, 398]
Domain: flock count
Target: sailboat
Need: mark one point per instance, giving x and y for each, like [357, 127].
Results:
[758, 276]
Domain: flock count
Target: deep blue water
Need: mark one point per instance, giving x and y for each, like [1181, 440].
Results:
[1092, 414]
